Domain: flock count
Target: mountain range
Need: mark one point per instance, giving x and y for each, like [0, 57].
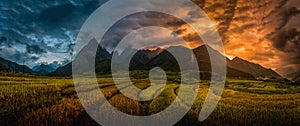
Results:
[166, 61]
[146, 59]
[9, 66]
[43, 69]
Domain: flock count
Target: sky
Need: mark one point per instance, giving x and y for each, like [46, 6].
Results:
[264, 32]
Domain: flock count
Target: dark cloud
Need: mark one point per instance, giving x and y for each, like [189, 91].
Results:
[180, 31]
[200, 3]
[192, 37]
[17, 56]
[291, 61]
[34, 58]
[286, 15]
[287, 40]
[57, 13]
[195, 14]
[274, 20]
[281, 4]
[244, 9]
[267, 16]
[244, 27]
[34, 49]
[37, 27]
[139, 20]
[243, 18]
[213, 6]
[3, 39]
[225, 18]
[5, 42]
[174, 23]
[51, 26]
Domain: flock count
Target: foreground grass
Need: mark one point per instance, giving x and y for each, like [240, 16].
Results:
[53, 101]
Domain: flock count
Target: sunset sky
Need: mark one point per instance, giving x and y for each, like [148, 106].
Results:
[264, 32]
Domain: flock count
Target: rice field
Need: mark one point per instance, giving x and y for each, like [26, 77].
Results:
[53, 101]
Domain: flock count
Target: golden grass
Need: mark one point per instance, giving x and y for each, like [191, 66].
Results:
[53, 101]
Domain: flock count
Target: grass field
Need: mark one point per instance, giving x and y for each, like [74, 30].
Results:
[53, 101]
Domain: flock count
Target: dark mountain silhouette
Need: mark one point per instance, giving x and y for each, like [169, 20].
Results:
[297, 78]
[35, 67]
[203, 57]
[151, 53]
[62, 71]
[43, 66]
[141, 59]
[3, 68]
[9, 66]
[102, 60]
[43, 69]
[292, 75]
[42, 72]
[254, 69]
[147, 59]
[236, 68]
[166, 61]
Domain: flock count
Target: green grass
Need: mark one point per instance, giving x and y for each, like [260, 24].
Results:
[261, 87]
[53, 101]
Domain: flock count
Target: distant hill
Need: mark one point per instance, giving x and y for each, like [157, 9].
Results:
[43, 69]
[9, 66]
[254, 69]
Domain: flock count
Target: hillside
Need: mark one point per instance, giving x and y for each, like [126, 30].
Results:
[292, 75]
[3, 68]
[297, 79]
[6, 65]
[254, 69]
[62, 71]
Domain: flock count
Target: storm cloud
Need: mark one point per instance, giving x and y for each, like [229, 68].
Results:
[264, 32]
[40, 29]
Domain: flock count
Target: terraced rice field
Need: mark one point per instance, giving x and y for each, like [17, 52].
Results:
[53, 101]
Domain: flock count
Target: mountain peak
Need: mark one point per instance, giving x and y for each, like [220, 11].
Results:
[204, 46]
[43, 69]
[238, 59]
[43, 65]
